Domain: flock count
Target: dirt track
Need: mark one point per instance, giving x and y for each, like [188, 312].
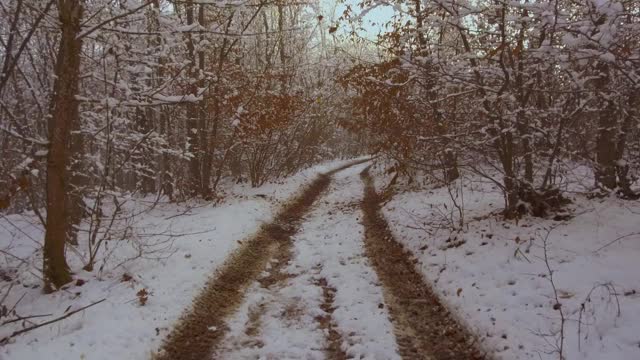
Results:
[423, 326]
[202, 327]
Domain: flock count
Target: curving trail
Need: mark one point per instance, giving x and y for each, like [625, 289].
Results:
[326, 301]
[202, 327]
[324, 280]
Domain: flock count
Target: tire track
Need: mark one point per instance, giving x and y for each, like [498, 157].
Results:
[334, 338]
[269, 282]
[202, 327]
[328, 302]
[424, 328]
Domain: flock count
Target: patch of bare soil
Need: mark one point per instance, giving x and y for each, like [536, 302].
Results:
[202, 327]
[423, 326]
[334, 339]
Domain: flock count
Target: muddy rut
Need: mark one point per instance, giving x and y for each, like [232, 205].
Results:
[424, 328]
[202, 327]
[334, 339]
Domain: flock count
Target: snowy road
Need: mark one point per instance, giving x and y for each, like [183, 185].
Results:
[327, 300]
[324, 280]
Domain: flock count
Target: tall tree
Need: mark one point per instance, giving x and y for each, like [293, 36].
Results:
[63, 114]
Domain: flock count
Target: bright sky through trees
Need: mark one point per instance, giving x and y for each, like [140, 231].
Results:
[372, 22]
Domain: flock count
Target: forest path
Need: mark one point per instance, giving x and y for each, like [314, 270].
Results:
[327, 302]
[202, 327]
[323, 281]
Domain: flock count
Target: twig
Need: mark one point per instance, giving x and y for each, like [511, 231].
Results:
[17, 302]
[616, 240]
[19, 332]
[557, 306]
[186, 211]
[15, 257]
[6, 294]
[583, 306]
[18, 318]
[518, 251]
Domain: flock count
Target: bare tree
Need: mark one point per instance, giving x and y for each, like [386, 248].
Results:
[63, 115]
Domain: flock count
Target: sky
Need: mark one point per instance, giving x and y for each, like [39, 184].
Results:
[372, 22]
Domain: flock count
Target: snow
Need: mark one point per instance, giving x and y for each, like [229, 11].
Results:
[492, 274]
[177, 98]
[120, 327]
[287, 325]
[328, 246]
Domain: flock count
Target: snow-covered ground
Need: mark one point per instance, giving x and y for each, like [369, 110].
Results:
[188, 248]
[329, 246]
[494, 276]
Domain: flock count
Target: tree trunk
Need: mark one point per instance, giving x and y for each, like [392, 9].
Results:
[622, 168]
[510, 185]
[203, 123]
[63, 114]
[504, 146]
[451, 166]
[193, 110]
[283, 57]
[422, 41]
[605, 142]
[163, 181]
[76, 182]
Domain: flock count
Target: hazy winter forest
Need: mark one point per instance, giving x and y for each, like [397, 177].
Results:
[311, 179]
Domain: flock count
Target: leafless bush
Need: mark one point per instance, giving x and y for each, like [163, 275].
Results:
[590, 307]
